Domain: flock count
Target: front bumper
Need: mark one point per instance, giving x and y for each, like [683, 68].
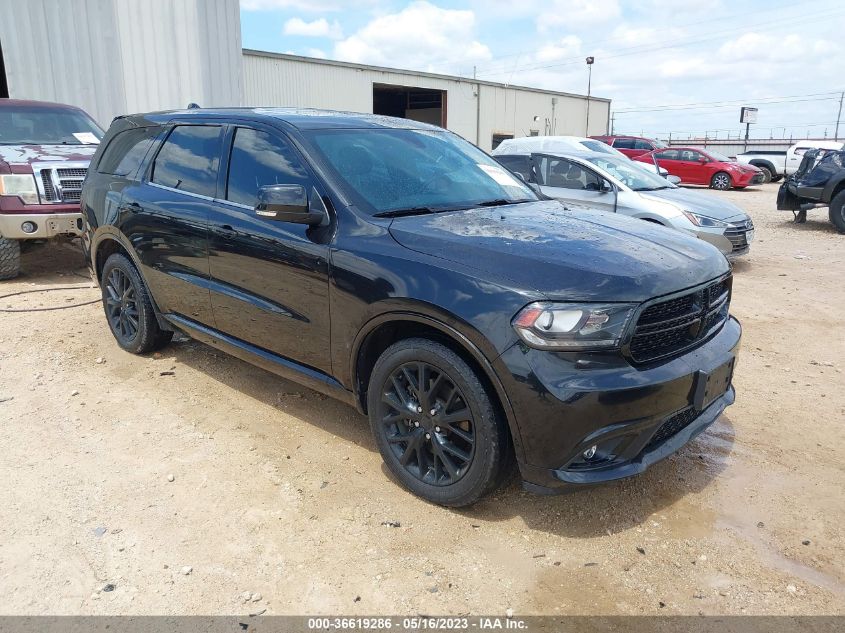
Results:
[47, 225]
[565, 403]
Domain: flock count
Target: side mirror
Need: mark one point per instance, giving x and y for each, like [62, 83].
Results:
[606, 186]
[675, 180]
[289, 203]
[703, 160]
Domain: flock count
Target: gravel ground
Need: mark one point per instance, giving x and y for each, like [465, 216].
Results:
[189, 482]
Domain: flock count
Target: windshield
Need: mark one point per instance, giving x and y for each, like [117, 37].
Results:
[659, 144]
[388, 170]
[39, 125]
[717, 156]
[631, 174]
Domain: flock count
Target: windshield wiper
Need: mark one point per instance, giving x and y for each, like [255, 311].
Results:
[500, 202]
[398, 213]
[652, 188]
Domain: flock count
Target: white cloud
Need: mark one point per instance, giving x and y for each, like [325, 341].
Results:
[421, 36]
[573, 14]
[317, 28]
[568, 46]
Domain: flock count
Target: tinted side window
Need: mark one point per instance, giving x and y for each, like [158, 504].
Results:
[668, 154]
[517, 164]
[643, 145]
[260, 159]
[690, 156]
[126, 151]
[623, 143]
[189, 158]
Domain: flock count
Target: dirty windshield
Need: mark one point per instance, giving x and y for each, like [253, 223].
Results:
[39, 125]
[399, 171]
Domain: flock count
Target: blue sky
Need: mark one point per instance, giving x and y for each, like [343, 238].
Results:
[671, 66]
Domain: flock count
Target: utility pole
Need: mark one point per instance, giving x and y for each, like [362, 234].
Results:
[838, 116]
[612, 123]
[590, 61]
[477, 109]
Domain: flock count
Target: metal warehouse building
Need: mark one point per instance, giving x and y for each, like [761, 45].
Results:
[113, 57]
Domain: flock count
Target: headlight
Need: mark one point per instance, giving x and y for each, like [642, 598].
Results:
[703, 220]
[20, 185]
[570, 326]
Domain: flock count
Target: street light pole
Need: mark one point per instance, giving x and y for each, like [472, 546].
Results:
[590, 61]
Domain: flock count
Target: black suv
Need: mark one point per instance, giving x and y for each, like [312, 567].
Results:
[399, 268]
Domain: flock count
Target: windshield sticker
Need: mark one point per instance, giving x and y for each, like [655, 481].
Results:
[499, 175]
[86, 137]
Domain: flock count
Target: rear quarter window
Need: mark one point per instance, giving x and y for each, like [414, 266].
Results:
[189, 159]
[126, 150]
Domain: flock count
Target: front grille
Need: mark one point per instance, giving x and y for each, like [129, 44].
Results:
[49, 190]
[737, 233]
[673, 326]
[673, 426]
[62, 184]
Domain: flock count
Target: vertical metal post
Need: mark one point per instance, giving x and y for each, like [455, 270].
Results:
[838, 116]
[747, 127]
[477, 110]
[590, 61]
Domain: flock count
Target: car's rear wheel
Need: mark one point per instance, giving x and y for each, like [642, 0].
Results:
[128, 308]
[721, 181]
[435, 424]
[10, 258]
[837, 211]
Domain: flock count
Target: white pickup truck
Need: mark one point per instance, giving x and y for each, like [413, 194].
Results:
[770, 162]
[776, 164]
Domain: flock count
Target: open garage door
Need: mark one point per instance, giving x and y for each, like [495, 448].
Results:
[418, 104]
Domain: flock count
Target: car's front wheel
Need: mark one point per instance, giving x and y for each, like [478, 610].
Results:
[128, 308]
[435, 424]
[10, 258]
[721, 181]
[767, 173]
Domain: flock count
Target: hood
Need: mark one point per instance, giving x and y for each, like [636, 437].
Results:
[711, 206]
[27, 154]
[565, 254]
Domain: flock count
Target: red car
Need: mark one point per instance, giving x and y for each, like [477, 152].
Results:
[631, 146]
[696, 166]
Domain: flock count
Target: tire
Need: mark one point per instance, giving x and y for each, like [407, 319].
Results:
[837, 211]
[416, 444]
[129, 311]
[721, 181]
[10, 258]
[767, 173]
[777, 178]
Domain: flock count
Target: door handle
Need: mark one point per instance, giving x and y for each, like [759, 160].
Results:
[226, 230]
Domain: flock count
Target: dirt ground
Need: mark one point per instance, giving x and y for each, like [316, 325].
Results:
[280, 503]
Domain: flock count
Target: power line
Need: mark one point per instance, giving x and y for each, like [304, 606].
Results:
[821, 96]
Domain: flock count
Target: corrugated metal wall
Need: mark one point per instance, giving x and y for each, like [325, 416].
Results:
[286, 80]
[114, 57]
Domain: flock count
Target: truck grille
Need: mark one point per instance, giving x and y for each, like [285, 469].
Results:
[60, 183]
[670, 327]
[737, 233]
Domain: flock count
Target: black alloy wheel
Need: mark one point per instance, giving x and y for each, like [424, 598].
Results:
[121, 305]
[428, 424]
[129, 309]
[435, 424]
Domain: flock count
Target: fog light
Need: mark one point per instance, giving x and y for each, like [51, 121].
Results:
[590, 452]
[29, 227]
